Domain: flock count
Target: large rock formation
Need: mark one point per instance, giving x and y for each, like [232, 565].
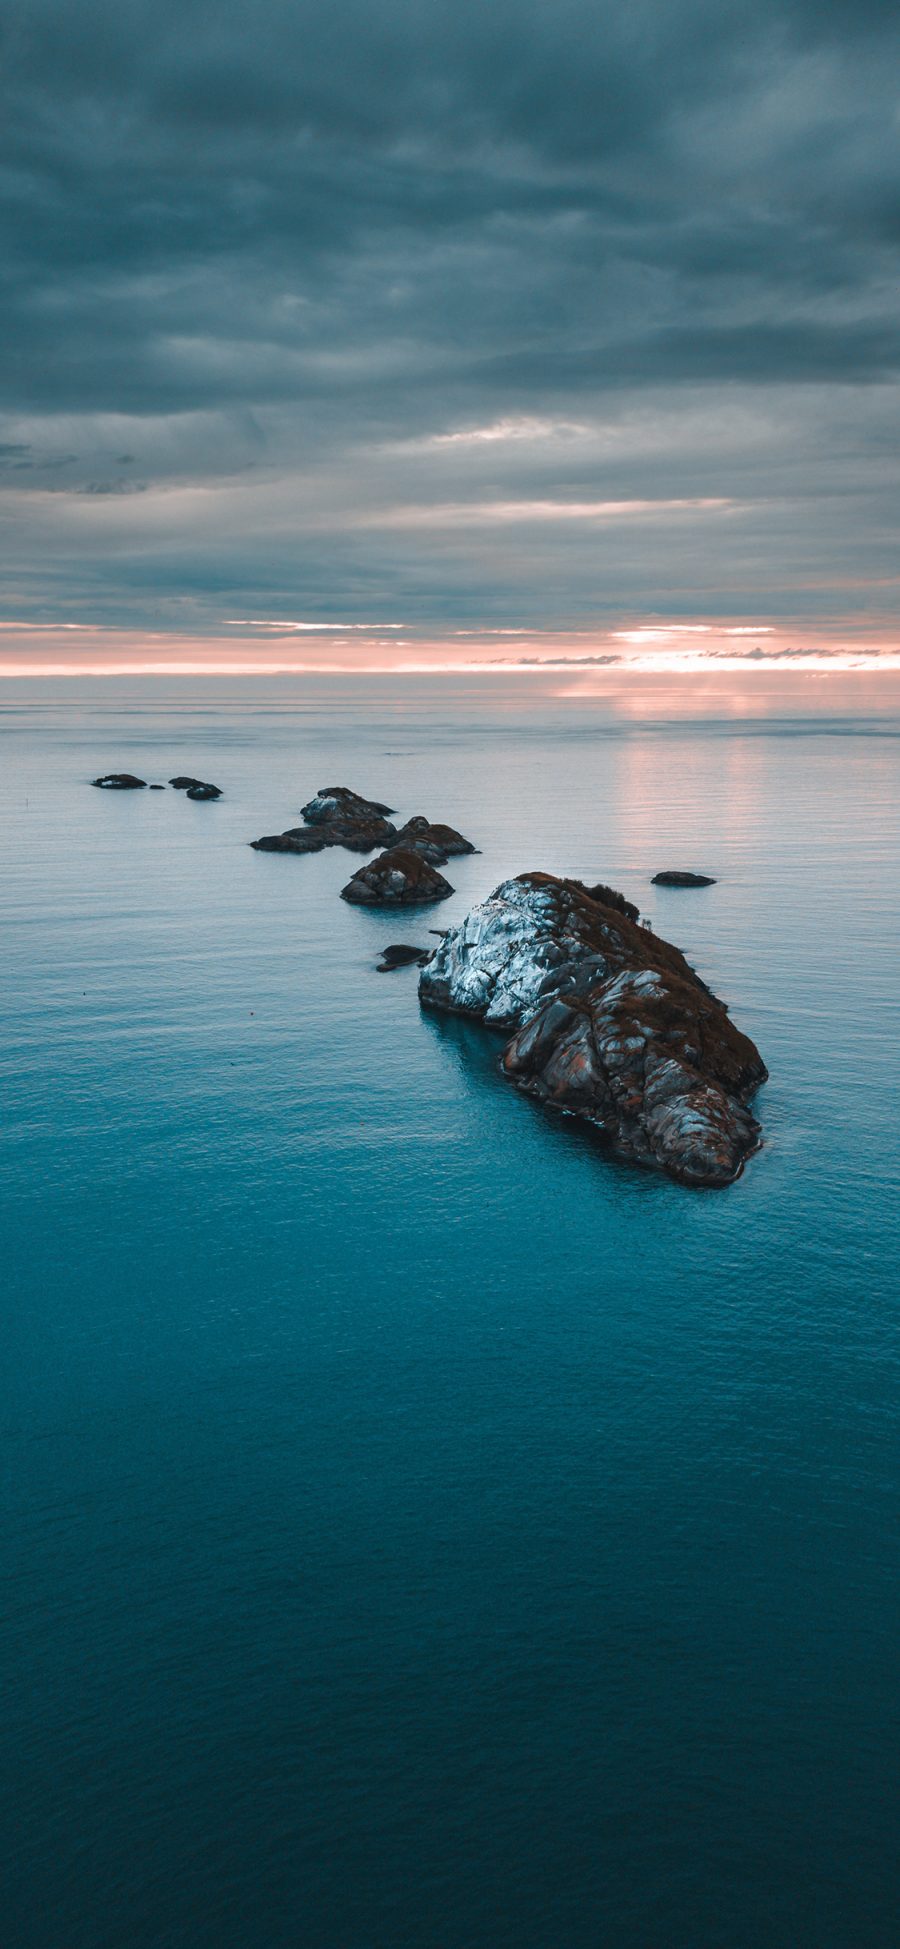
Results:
[436, 843]
[398, 878]
[610, 1024]
[120, 781]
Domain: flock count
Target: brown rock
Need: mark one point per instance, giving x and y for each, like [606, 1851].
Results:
[398, 878]
[338, 802]
[301, 839]
[608, 897]
[357, 835]
[436, 843]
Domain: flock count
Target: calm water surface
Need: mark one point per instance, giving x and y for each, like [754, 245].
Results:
[421, 1530]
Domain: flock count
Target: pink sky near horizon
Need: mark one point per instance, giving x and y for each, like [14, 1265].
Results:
[267, 647]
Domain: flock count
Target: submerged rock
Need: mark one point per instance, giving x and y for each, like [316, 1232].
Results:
[397, 878]
[120, 781]
[196, 788]
[610, 1024]
[157, 788]
[402, 956]
[436, 843]
[338, 802]
[682, 880]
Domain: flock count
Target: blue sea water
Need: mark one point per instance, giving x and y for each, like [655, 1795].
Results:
[422, 1530]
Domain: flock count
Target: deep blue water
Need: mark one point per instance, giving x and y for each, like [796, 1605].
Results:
[421, 1530]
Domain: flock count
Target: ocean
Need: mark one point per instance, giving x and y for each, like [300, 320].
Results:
[423, 1531]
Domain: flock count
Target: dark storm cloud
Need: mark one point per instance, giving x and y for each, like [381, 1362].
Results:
[279, 252]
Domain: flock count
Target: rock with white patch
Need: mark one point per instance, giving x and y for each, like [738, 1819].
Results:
[338, 802]
[196, 788]
[610, 1023]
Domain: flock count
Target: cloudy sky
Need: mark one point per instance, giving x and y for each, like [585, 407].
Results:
[569, 322]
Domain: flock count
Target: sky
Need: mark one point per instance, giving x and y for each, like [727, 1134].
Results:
[401, 333]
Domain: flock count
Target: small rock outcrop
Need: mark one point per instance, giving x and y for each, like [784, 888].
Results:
[335, 817]
[120, 781]
[402, 956]
[610, 1023]
[357, 835]
[682, 880]
[196, 788]
[299, 839]
[397, 878]
[436, 843]
[338, 802]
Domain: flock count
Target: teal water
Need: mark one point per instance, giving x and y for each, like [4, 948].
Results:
[421, 1530]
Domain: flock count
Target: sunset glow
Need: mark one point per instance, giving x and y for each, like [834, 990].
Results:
[269, 647]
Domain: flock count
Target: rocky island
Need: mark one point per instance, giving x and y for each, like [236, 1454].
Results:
[609, 1023]
[339, 802]
[397, 878]
[339, 817]
[335, 817]
[675, 879]
[606, 1020]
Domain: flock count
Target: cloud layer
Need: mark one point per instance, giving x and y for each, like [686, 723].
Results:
[534, 316]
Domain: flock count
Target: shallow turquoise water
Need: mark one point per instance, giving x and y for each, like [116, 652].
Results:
[420, 1529]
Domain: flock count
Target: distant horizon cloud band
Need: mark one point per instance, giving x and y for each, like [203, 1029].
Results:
[269, 648]
[427, 339]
